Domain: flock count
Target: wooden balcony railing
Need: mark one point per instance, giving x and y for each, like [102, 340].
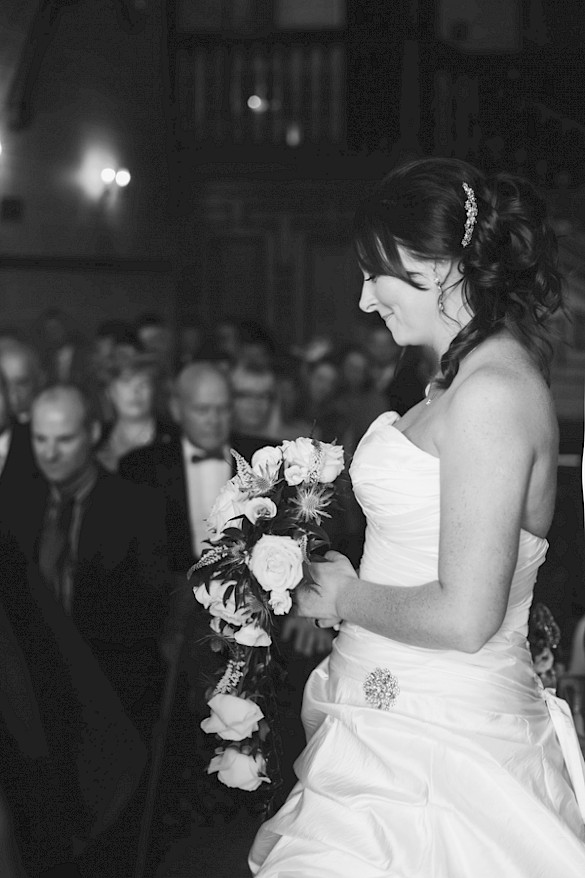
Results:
[280, 94]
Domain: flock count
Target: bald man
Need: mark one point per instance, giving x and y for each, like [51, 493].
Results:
[99, 543]
[193, 466]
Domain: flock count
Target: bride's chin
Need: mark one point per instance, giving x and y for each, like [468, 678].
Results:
[394, 331]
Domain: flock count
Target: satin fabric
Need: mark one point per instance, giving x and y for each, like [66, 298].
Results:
[466, 773]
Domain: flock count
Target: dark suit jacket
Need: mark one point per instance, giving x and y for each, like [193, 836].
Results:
[71, 758]
[121, 579]
[162, 467]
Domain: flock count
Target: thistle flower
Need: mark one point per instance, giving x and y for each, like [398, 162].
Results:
[311, 503]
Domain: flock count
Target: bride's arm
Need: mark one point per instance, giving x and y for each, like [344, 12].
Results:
[487, 453]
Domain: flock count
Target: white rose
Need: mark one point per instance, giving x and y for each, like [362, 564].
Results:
[259, 507]
[236, 769]
[252, 635]
[332, 462]
[299, 458]
[213, 601]
[266, 462]
[232, 718]
[229, 505]
[276, 562]
[280, 601]
[295, 474]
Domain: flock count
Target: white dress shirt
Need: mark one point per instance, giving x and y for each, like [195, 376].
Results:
[204, 482]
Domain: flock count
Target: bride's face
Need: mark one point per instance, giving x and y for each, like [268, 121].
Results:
[409, 313]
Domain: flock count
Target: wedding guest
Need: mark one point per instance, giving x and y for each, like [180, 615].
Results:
[384, 354]
[21, 367]
[131, 392]
[321, 406]
[290, 422]
[254, 393]
[157, 338]
[225, 338]
[114, 345]
[358, 398]
[17, 462]
[256, 347]
[100, 545]
[196, 463]
[190, 339]
[72, 760]
[64, 353]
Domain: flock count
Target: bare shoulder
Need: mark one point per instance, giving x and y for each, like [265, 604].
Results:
[501, 390]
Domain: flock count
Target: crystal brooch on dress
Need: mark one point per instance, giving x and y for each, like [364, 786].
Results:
[381, 688]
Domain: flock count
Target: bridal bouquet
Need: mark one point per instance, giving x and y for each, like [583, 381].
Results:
[264, 528]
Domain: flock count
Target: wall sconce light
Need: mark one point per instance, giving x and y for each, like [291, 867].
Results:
[123, 177]
[120, 178]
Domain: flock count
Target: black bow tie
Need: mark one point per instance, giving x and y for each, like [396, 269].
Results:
[208, 455]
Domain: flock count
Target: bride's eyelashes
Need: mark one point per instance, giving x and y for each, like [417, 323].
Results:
[371, 277]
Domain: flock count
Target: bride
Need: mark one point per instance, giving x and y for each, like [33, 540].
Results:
[433, 749]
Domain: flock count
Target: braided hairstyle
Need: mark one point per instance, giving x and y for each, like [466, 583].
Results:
[510, 269]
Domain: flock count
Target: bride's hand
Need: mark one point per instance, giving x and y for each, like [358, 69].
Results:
[330, 576]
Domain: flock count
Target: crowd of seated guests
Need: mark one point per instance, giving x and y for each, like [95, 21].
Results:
[112, 450]
[329, 388]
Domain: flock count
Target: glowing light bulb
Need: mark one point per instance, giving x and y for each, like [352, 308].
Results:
[254, 102]
[108, 175]
[123, 177]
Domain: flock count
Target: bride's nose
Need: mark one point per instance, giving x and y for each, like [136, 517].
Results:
[368, 301]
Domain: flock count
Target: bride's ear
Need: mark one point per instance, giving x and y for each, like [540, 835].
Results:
[447, 272]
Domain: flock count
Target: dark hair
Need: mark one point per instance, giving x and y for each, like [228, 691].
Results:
[149, 318]
[120, 331]
[510, 273]
[252, 332]
[138, 365]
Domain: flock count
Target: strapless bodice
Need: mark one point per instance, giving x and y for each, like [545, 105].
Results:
[398, 486]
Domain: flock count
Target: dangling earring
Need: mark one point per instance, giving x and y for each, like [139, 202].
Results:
[440, 302]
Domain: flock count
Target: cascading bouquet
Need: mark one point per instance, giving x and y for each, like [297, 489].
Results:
[264, 528]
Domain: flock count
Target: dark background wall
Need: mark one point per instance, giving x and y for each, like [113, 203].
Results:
[83, 92]
[232, 211]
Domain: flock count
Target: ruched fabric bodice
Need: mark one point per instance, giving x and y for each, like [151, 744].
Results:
[471, 767]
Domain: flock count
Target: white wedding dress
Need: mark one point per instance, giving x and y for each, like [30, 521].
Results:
[474, 771]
